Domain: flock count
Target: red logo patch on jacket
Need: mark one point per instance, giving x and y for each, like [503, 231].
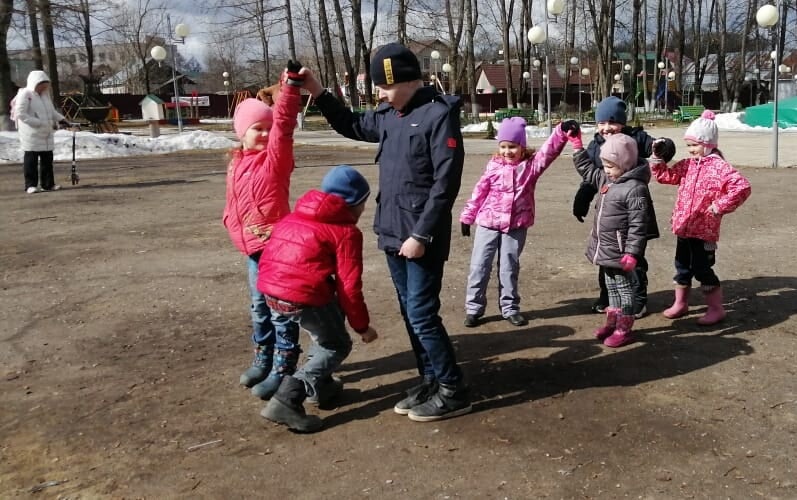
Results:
[451, 143]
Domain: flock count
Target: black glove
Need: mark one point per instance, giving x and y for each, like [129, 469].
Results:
[569, 125]
[64, 124]
[586, 191]
[294, 78]
[664, 149]
[465, 228]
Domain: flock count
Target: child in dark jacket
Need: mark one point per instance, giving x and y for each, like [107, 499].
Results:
[611, 118]
[314, 260]
[620, 232]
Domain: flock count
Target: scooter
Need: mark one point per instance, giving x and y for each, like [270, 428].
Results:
[74, 177]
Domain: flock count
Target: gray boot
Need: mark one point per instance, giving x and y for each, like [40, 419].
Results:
[284, 364]
[261, 366]
[449, 401]
[417, 395]
[286, 407]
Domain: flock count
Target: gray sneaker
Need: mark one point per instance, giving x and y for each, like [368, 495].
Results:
[449, 401]
[416, 395]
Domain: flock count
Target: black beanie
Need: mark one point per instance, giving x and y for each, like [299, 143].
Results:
[394, 63]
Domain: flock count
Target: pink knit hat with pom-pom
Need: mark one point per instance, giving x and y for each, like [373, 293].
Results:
[703, 130]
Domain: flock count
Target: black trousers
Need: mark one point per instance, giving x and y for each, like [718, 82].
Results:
[30, 164]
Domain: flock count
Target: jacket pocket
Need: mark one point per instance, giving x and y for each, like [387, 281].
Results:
[410, 208]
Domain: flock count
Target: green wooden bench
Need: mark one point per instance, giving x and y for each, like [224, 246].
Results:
[528, 114]
[687, 113]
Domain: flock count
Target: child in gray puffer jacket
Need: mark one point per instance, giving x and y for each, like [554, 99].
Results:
[619, 232]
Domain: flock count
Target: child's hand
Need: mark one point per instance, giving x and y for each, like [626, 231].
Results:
[572, 130]
[294, 76]
[628, 262]
[465, 228]
[586, 192]
[369, 335]
[663, 149]
[311, 83]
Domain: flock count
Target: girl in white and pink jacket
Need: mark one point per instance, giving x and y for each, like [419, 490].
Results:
[708, 188]
[502, 207]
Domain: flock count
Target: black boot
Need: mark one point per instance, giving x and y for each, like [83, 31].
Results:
[449, 401]
[286, 408]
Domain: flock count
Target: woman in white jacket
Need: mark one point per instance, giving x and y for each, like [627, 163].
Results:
[36, 119]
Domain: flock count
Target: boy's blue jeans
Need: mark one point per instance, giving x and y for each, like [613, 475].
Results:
[418, 283]
[331, 341]
[263, 333]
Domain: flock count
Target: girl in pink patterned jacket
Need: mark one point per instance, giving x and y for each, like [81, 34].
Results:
[708, 188]
[502, 207]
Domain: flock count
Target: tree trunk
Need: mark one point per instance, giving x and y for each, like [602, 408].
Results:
[471, 21]
[6, 91]
[36, 46]
[49, 45]
[289, 22]
[326, 48]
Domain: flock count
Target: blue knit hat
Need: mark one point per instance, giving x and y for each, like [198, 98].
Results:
[348, 183]
[611, 109]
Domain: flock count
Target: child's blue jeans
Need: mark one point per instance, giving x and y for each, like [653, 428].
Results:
[331, 341]
[263, 332]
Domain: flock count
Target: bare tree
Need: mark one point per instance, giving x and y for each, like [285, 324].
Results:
[49, 45]
[602, 17]
[6, 12]
[331, 79]
[38, 60]
[502, 15]
[471, 22]
[289, 23]
[135, 21]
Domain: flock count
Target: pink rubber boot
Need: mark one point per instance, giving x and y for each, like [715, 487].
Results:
[622, 334]
[715, 312]
[611, 323]
[681, 305]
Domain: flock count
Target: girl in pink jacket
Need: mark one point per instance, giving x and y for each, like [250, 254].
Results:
[708, 188]
[258, 181]
[502, 207]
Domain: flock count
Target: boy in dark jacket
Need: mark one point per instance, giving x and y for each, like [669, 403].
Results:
[315, 264]
[611, 118]
[420, 158]
[620, 232]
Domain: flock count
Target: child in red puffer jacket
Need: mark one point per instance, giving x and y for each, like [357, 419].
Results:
[314, 264]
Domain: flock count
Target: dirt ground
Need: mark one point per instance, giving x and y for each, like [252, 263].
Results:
[125, 328]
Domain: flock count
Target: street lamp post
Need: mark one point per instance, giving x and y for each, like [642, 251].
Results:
[757, 73]
[435, 57]
[584, 73]
[536, 68]
[767, 17]
[447, 70]
[663, 72]
[226, 77]
[574, 61]
[159, 54]
[527, 79]
[539, 35]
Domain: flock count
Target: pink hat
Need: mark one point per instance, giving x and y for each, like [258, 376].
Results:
[512, 130]
[251, 111]
[621, 150]
[703, 130]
